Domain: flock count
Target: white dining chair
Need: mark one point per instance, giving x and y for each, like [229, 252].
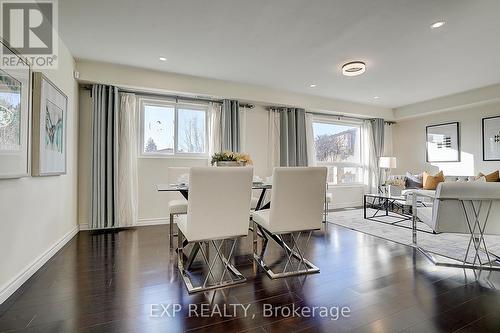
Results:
[297, 204]
[177, 204]
[217, 214]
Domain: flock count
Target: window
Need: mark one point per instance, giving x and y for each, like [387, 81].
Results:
[338, 147]
[173, 129]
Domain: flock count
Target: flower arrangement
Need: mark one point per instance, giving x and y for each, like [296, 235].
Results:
[396, 182]
[229, 156]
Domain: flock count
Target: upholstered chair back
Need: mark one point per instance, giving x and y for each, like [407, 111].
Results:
[297, 199]
[219, 202]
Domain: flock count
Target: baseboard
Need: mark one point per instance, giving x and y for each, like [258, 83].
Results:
[153, 221]
[140, 222]
[10, 288]
[84, 226]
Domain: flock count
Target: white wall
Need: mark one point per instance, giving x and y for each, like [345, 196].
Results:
[409, 138]
[39, 214]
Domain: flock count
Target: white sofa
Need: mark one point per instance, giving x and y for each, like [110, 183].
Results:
[430, 193]
[447, 213]
[471, 208]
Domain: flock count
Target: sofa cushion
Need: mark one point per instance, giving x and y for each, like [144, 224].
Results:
[491, 177]
[413, 181]
[431, 182]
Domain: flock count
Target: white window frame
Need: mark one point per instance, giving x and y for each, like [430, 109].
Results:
[176, 106]
[360, 165]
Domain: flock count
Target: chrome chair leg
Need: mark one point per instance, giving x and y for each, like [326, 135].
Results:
[171, 233]
[211, 281]
[293, 252]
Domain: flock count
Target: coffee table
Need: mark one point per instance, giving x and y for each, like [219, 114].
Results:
[389, 209]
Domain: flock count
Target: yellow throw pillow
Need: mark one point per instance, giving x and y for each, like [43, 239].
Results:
[431, 182]
[490, 178]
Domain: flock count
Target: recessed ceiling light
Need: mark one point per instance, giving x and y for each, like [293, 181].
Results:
[353, 68]
[312, 85]
[437, 24]
[376, 97]
[163, 59]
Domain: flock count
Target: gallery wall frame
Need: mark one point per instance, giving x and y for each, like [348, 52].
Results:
[15, 115]
[442, 142]
[49, 144]
[490, 131]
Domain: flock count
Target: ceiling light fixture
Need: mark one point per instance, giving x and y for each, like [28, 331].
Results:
[438, 24]
[312, 85]
[376, 97]
[353, 68]
[163, 59]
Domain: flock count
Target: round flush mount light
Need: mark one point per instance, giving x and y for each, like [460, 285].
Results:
[353, 68]
[437, 24]
[376, 97]
[163, 59]
[313, 85]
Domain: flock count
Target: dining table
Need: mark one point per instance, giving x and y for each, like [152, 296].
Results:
[183, 189]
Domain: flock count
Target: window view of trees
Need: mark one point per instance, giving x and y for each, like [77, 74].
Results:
[150, 146]
[338, 148]
[191, 131]
[335, 147]
[159, 129]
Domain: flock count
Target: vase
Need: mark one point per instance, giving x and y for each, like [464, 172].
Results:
[229, 164]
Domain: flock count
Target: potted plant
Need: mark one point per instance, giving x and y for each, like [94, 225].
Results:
[229, 158]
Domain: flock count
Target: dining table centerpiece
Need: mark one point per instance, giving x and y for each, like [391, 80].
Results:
[229, 158]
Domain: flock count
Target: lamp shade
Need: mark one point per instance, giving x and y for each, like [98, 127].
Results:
[387, 162]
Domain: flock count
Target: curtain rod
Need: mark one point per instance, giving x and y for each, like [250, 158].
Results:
[333, 115]
[176, 97]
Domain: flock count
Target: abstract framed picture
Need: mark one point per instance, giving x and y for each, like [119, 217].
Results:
[15, 116]
[49, 128]
[491, 138]
[443, 143]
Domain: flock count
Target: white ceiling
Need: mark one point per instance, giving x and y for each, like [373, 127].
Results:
[289, 44]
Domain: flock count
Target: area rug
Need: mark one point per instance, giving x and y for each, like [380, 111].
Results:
[453, 246]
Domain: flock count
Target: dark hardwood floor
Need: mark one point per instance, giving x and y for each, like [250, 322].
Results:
[108, 282]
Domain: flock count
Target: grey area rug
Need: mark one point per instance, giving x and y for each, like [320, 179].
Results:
[448, 245]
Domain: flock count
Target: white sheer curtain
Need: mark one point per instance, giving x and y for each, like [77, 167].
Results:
[273, 139]
[311, 148]
[370, 162]
[127, 195]
[214, 128]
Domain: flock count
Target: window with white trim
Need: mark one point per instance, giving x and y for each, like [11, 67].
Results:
[338, 147]
[173, 129]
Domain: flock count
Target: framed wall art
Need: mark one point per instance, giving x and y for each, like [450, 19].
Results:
[491, 138]
[15, 115]
[50, 106]
[443, 143]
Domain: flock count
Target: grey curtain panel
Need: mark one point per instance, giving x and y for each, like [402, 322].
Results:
[105, 102]
[378, 126]
[230, 125]
[293, 138]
